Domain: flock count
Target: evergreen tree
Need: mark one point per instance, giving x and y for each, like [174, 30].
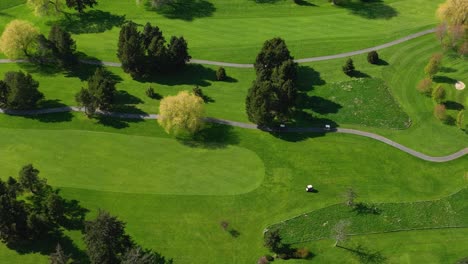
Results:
[348, 68]
[373, 57]
[106, 239]
[273, 95]
[29, 179]
[178, 53]
[221, 74]
[139, 256]
[63, 46]
[81, 5]
[20, 90]
[85, 99]
[13, 220]
[131, 50]
[259, 103]
[102, 88]
[272, 55]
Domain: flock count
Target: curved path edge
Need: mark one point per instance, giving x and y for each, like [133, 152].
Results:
[374, 136]
[241, 65]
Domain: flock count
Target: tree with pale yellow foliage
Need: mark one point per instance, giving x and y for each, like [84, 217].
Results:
[18, 38]
[181, 114]
[454, 17]
[45, 7]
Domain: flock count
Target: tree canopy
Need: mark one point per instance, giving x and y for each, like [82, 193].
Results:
[181, 114]
[18, 39]
[19, 91]
[106, 239]
[272, 96]
[99, 94]
[146, 52]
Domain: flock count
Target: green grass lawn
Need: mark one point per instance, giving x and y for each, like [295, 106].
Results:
[166, 222]
[173, 194]
[366, 218]
[234, 30]
[146, 165]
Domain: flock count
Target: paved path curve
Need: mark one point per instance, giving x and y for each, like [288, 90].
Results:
[385, 140]
[240, 65]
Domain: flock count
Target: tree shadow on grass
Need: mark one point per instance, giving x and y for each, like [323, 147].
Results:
[308, 78]
[366, 255]
[213, 136]
[382, 62]
[115, 122]
[303, 3]
[444, 79]
[318, 104]
[185, 9]
[370, 9]
[191, 74]
[358, 74]
[50, 117]
[46, 246]
[93, 21]
[454, 105]
[265, 1]
[366, 209]
[123, 97]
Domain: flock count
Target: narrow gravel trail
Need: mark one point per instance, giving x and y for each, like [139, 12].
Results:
[377, 137]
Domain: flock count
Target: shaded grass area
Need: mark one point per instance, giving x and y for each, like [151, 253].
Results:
[362, 101]
[368, 218]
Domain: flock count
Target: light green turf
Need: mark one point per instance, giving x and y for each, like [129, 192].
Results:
[187, 227]
[236, 29]
[139, 164]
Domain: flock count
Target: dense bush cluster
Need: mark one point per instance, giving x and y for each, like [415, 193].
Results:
[272, 96]
[59, 48]
[143, 53]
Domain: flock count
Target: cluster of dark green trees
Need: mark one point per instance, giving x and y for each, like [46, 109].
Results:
[58, 49]
[31, 209]
[273, 94]
[19, 91]
[108, 243]
[100, 93]
[143, 53]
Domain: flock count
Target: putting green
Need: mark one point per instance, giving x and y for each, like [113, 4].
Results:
[130, 164]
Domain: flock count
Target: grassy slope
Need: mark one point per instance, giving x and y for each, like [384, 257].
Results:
[236, 29]
[378, 172]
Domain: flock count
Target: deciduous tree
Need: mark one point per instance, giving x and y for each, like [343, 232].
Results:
[340, 231]
[438, 94]
[18, 39]
[181, 114]
[433, 66]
